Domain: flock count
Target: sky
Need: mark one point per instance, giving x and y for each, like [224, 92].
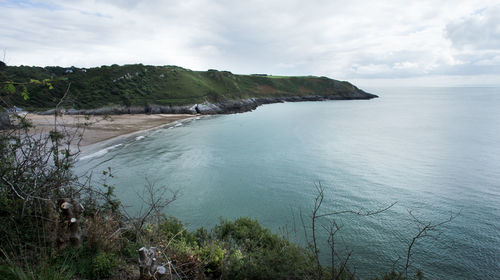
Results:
[371, 43]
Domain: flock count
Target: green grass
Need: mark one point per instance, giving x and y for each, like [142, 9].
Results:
[285, 77]
[139, 85]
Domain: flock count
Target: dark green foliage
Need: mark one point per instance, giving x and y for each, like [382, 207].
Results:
[141, 85]
[34, 174]
[103, 265]
[171, 228]
[256, 253]
[47, 271]
[201, 235]
[240, 249]
[394, 275]
[247, 233]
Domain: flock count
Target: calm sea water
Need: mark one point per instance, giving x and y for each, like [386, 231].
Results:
[434, 151]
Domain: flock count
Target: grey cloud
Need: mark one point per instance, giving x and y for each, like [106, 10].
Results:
[341, 39]
[480, 30]
[475, 39]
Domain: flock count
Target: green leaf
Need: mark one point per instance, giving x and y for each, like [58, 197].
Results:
[33, 81]
[10, 88]
[25, 94]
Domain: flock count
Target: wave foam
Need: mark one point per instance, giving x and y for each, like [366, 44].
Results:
[101, 152]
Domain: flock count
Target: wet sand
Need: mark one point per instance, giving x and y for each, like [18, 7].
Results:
[96, 129]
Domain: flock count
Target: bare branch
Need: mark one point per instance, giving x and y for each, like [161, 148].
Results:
[64, 96]
[425, 230]
[156, 200]
[13, 188]
[359, 213]
[317, 205]
[332, 230]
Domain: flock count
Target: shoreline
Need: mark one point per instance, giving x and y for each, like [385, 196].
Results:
[99, 131]
[207, 108]
[90, 149]
[100, 128]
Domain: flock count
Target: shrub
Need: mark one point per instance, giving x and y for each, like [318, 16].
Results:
[103, 232]
[171, 228]
[256, 253]
[103, 264]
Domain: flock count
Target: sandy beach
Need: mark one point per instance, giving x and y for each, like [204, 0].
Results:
[95, 129]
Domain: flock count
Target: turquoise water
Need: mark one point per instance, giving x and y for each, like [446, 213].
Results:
[432, 150]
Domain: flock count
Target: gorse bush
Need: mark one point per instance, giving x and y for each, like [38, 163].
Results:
[240, 249]
[256, 253]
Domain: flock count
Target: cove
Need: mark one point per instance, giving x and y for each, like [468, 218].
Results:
[431, 150]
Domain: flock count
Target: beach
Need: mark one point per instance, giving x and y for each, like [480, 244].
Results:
[96, 129]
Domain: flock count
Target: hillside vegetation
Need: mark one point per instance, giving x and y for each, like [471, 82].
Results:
[141, 85]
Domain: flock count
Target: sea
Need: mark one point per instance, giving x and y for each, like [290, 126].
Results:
[434, 152]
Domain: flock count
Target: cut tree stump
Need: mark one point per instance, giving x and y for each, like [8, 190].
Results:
[69, 231]
[148, 265]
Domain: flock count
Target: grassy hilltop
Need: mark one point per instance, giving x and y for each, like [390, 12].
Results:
[142, 85]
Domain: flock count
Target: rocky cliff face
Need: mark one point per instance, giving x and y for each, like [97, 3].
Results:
[207, 108]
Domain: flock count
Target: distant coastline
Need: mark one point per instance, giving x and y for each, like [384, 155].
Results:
[118, 100]
[145, 89]
[206, 108]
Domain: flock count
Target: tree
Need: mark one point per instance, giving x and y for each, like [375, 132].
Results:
[9, 88]
[340, 271]
[425, 229]
[41, 200]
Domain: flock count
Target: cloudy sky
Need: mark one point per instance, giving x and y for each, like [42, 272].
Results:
[423, 42]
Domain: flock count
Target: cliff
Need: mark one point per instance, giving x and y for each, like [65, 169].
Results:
[168, 89]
